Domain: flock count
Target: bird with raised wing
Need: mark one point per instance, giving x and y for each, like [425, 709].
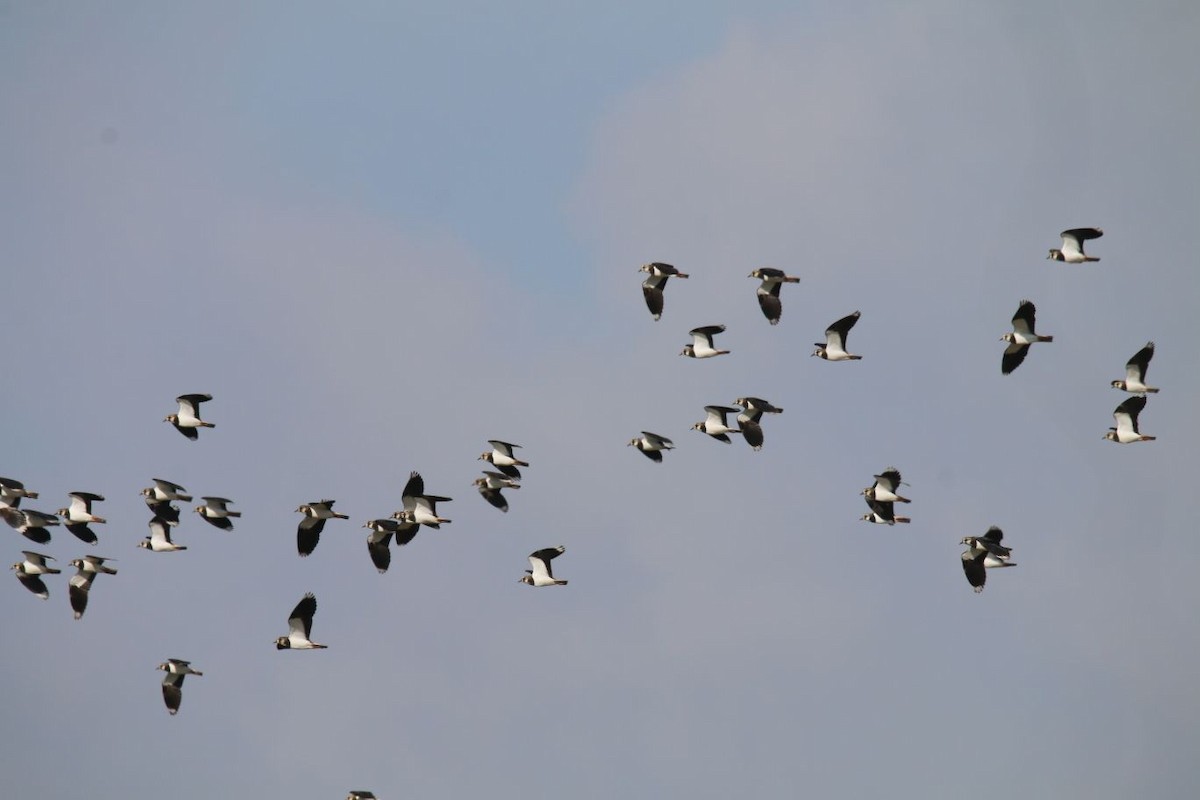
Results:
[77, 516]
[541, 573]
[716, 423]
[1126, 416]
[834, 348]
[702, 342]
[419, 507]
[501, 456]
[1072, 245]
[29, 523]
[11, 492]
[885, 488]
[187, 419]
[1135, 372]
[159, 540]
[300, 627]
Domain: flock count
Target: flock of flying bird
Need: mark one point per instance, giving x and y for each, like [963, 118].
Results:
[983, 551]
[420, 508]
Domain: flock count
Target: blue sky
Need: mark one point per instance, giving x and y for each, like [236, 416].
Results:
[383, 235]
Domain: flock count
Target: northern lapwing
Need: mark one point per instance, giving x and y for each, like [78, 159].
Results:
[768, 291]
[358, 794]
[419, 507]
[379, 542]
[882, 513]
[490, 486]
[656, 283]
[308, 533]
[29, 523]
[159, 540]
[541, 574]
[749, 419]
[702, 342]
[501, 456]
[651, 445]
[1135, 372]
[886, 487]
[983, 553]
[1072, 245]
[1126, 416]
[836, 334]
[77, 516]
[300, 627]
[30, 570]
[187, 420]
[164, 510]
[216, 512]
[86, 570]
[172, 685]
[11, 492]
[164, 491]
[1021, 337]
[716, 423]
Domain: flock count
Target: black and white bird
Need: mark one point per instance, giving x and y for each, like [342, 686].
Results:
[716, 423]
[541, 574]
[882, 513]
[1135, 372]
[702, 342]
[651, 445]
[419, 507]
[29, 523]
[216, 512]
[164, 492]
[983, 553]
[886, 487]
[172, 685]
[79, 514]
[358, 794]
[300, 627]
[380, 537]
[86, 570]
[30, 570]
[768, 292]
[501, 456]
[1126, 416]
[159, 540]
[11, 492]
[750, 427]
[164, 510]
[749, 419]
[490, 486]
[1021, 337]
[836, 334]
[1072, 245]
[308, 533]
[187, 420]
[656, 283]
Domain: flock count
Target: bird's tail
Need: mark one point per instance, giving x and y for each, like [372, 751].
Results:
[340, 516]
[1089, 258]
[680, 275]
[1148, 438]
[903, 519]
[1045, 338]
[1152, 389]
[207, 424]
[233, 513]
[560, 583]
[791, 279]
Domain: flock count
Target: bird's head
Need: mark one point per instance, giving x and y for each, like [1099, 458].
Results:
[699, 426]
[1111, 436]
[1118, 384]
[688, 350]
[145, 543]
[172, 418]
[1055, 255]
[526, 579]
[820, 351]
[62, 512]
[1008, 337]
[282, 643]
[164, 666]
